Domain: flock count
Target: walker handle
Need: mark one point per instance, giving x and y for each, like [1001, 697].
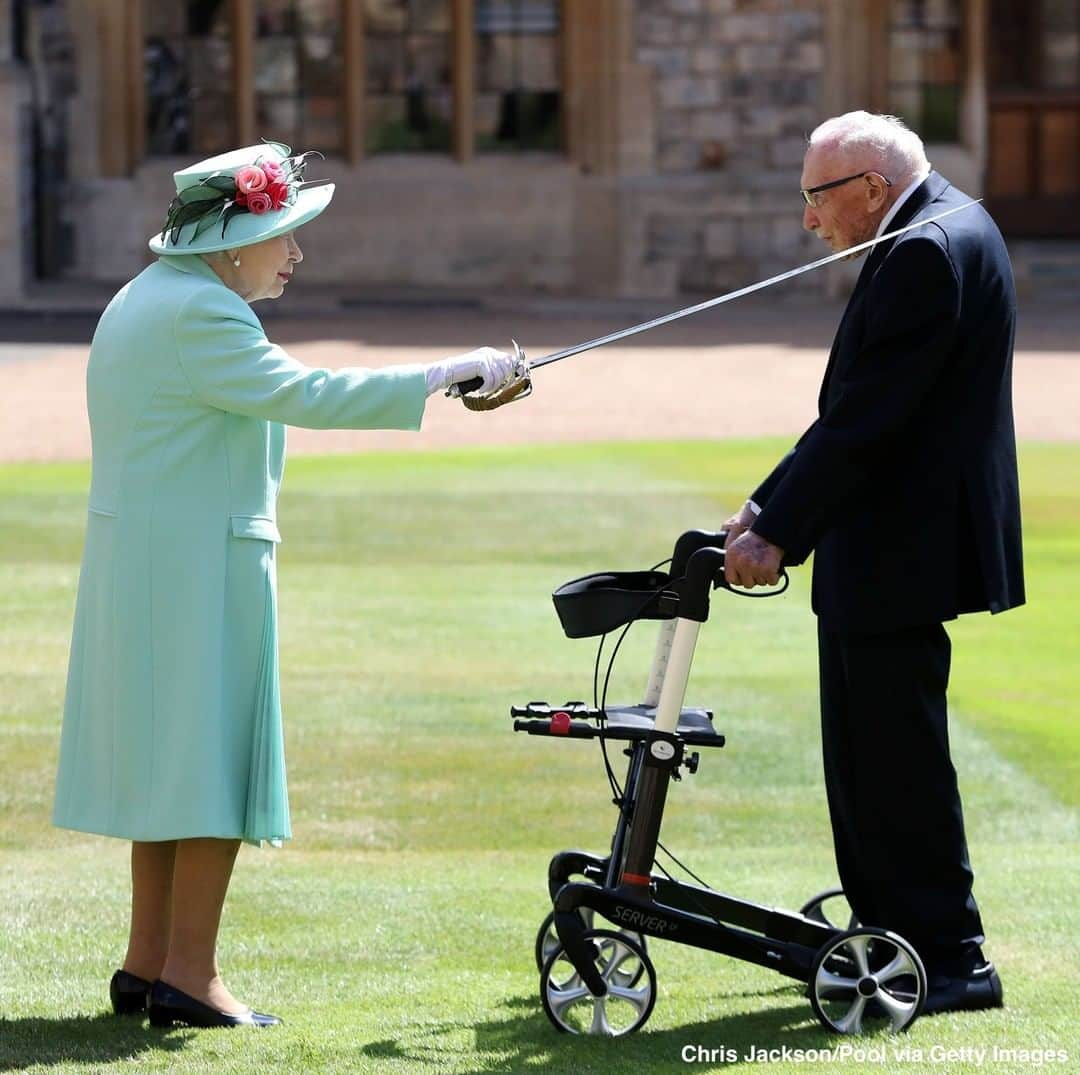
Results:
[689, 543]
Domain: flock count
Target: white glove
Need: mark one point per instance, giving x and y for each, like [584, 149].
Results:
[493, 367]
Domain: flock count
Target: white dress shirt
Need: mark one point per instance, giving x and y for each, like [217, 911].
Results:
[906, 193]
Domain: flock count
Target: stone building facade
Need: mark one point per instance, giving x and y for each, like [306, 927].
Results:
[679, 128]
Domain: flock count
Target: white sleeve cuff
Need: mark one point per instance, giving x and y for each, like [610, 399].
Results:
[436, 375]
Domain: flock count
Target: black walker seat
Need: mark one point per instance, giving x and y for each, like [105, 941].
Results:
[601, 980]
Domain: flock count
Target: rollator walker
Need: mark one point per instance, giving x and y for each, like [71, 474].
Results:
[599, 980]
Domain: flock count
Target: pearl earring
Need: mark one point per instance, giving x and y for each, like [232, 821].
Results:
[236, 261]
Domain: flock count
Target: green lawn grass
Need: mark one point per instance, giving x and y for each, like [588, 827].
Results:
[395, 933]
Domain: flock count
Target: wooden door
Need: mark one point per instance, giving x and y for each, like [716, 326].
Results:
[1033, 180]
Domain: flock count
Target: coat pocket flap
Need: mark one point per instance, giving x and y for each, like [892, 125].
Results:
[254, 526]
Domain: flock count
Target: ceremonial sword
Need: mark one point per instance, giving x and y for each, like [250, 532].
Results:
[521, 385]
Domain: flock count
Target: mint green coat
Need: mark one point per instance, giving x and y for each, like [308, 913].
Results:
[172, 718]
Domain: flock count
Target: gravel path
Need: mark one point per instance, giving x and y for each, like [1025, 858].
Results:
[733, 373]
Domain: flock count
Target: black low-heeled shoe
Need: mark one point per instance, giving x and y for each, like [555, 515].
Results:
[129, 993]
[169, 1005]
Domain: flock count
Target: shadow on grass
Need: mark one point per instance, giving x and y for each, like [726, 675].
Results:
[86, 1039]
[522, 1039]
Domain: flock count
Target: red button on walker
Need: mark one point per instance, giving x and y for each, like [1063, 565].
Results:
[560, 723]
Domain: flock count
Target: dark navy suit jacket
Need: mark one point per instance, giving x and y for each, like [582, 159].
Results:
[906, 485]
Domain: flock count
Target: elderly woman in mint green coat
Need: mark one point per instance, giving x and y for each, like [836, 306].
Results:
[172, 734]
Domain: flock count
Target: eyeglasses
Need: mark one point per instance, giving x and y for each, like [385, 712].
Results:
[810, 192]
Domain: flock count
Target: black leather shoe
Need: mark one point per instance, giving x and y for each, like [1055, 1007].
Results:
[169, 1005]
[973, 992]
[129, 993]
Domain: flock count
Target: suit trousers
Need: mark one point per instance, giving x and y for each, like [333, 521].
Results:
[897, 821]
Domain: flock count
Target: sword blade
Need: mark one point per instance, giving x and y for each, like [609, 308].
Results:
[633, 330]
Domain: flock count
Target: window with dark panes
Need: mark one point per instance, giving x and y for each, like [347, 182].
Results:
[518, 99]
[925, 66]
[408, 105]
[1035, 47]
[1061, 44]
[298, 74]
[188, 69]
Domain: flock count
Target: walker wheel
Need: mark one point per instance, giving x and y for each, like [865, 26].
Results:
[570, 1006]
[547, 942]
[830, 908]
[867, 972]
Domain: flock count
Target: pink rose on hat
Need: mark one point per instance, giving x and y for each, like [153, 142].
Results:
[278, 191]
[259, 203]
[250, 179]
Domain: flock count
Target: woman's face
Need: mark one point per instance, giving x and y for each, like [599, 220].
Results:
[265, 268]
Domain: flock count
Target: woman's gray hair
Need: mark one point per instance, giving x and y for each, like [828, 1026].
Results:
[867, 138]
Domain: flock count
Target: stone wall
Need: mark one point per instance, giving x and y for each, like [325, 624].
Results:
[738, 87]
[394, 221]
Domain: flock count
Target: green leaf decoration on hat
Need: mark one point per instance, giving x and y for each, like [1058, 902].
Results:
[199, 193]
[199, 202]
[221, 181]
[228, 211]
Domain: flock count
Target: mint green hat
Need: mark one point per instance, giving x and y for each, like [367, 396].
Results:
[239, 198]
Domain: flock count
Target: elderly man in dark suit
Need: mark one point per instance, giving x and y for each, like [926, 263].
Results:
[906, 489]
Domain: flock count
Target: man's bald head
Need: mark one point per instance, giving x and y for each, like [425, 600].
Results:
[865, 140]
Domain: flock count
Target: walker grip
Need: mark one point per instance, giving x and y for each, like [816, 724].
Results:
[689, 543]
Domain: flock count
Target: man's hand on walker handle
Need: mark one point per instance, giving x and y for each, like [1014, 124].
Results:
[751, 561]
[738, 524]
